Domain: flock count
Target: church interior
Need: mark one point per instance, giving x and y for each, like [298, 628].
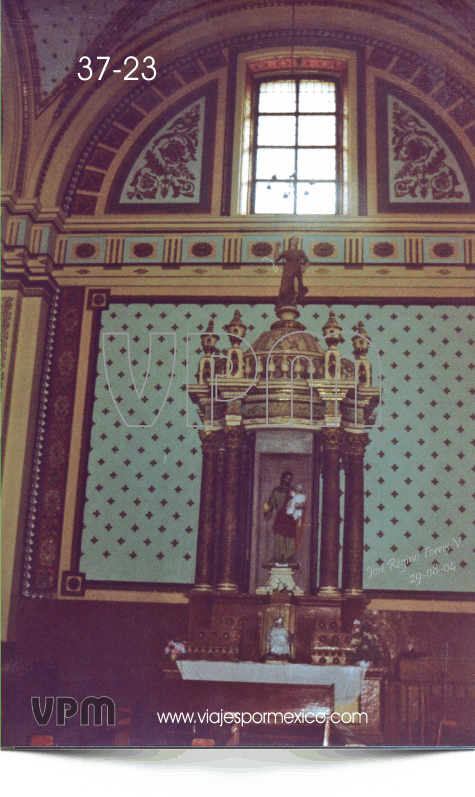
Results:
[238, 261]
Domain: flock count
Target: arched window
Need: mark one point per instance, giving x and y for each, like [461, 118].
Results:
[297, 150]
[295, 134]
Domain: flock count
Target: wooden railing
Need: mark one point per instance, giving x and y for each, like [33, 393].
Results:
[414, 711]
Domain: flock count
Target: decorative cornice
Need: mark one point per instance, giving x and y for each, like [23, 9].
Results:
[30, 274]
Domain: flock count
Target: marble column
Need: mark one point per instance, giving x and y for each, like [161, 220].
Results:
[354, 445]
[314, 558]
[219, 505]
[210, 441]
[330, 526]
[228, 571]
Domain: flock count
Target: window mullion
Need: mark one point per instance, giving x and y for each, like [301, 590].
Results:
[255, 117]
[338, 150]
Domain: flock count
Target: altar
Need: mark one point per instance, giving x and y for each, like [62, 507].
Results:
[278, 583]
[346, 681]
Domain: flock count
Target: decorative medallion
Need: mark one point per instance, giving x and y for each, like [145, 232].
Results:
[323, 249]
[143, 250]
[85, 250]
[383, 249]
[443, 250]
[202, 249]
[98, 300]
[73, 584]
[261, 249]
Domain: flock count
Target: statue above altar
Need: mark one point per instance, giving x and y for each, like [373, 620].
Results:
[295, 261]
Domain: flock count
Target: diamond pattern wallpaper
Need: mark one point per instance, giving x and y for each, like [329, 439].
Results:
[143, 486]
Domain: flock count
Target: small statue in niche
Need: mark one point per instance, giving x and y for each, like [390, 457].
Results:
[278, 639]
[289, 506]
[296, 507]
[292, 289]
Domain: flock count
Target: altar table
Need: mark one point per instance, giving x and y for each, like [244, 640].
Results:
[347, 681]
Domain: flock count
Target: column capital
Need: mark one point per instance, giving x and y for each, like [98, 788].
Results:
[210, 439]
[354, 444]
[234, 436]
[331, 438]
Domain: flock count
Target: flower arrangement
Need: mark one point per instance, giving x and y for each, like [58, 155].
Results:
[365, 642]
[175, 649]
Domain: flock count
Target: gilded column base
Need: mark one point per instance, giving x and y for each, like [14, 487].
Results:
[329, 592]
[227, 587]
[201, 588]
[354, 593]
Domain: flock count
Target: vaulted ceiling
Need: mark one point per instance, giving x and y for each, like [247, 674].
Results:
[63, 30]
[60, 31]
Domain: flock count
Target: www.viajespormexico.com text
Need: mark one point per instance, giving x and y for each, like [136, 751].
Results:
[267, 717]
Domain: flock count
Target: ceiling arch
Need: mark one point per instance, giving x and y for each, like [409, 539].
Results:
[415, 35]
[137, 110]
[61, 31]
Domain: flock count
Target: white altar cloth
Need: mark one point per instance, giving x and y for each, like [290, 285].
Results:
[347, 681]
